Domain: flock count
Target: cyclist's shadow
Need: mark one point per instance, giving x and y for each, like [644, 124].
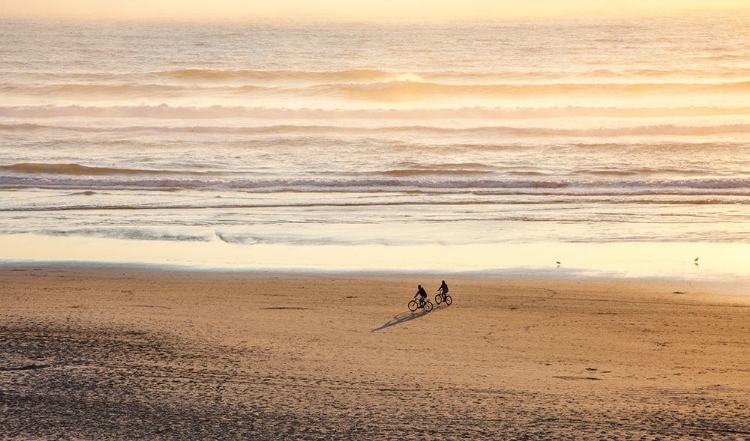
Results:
[405, 317]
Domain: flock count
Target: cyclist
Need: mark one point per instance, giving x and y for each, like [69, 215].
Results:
[443, 289]
[422, 295]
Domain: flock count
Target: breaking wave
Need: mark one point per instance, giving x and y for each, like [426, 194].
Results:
[395, 90]
[82, 170]
[165, 111]
[345, 76]
[290, 129]
[433, 172]
[413, 90]
[395, 180]
[365, 76]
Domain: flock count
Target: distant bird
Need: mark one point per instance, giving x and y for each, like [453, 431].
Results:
[695, 261]
[558, 262]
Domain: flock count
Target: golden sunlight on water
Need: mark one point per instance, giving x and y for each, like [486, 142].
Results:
[720, 262]
[358, 11]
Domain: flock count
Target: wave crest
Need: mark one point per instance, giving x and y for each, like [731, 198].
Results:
[165, 111]
[405, 173]
[34, 168]
[343, 76]
[290, 129]
[407, 88]
[416, 90]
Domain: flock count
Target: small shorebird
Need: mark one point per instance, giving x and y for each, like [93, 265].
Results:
[558, 262]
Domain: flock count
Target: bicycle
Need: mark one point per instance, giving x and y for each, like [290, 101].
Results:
[443, 297]
[426, 305]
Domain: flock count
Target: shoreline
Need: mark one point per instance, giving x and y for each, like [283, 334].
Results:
[688, 261]
[738, 286]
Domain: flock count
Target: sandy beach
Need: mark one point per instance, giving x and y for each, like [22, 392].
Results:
[122, 353]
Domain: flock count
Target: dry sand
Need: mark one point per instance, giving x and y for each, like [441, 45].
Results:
[133, 354]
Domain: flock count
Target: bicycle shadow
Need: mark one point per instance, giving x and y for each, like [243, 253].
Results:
[405, 317]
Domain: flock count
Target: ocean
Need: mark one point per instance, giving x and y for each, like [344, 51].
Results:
[617, 147]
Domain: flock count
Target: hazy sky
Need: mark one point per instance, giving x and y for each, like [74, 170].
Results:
[355, 10]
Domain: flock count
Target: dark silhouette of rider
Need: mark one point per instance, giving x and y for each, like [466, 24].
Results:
[421, 293]
[443, 289]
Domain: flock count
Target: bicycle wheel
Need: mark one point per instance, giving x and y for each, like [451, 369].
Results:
[438, 299]
[428, 306]
[412, 306]
[448, 300]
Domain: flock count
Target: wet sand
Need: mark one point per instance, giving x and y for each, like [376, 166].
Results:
[138, 354]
